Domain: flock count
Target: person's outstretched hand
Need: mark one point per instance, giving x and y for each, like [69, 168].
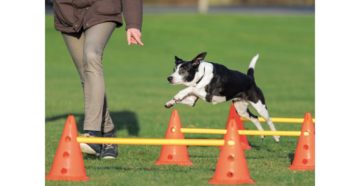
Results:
[134, 36]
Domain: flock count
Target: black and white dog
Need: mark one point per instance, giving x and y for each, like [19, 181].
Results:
[215, 83]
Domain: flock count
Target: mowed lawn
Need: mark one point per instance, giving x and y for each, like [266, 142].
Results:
[137, 89]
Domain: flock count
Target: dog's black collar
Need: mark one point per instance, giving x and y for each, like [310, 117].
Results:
[201, 77]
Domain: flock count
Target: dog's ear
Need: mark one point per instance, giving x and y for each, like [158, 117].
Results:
[200, 57]
[178, 60]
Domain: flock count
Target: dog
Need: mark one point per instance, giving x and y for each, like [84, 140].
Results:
[215, 83]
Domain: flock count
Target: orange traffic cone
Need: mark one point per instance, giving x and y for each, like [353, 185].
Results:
[231, 167]
[174, 154]
[68, 164]
[234, 115]
[304, 158]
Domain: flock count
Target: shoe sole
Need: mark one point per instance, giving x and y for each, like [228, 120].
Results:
[108, 157]
[85, 148]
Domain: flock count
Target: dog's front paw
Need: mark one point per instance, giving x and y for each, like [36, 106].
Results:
[170, 104]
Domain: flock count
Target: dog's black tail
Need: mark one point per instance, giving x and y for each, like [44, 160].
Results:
[251, 69]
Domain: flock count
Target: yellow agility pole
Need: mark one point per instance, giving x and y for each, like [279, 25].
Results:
[282, 120]
[241, 132]
[152, 141]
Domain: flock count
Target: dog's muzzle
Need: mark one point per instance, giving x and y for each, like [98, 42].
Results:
[170, 78]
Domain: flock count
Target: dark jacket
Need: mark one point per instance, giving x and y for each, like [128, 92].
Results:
[73, 16]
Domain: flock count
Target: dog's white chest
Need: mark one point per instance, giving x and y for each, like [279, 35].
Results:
[218, 99]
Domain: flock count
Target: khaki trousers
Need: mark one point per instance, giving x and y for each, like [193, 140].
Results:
[86, 52]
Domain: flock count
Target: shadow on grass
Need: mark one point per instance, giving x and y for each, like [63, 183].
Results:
[90, 157]
[258, 146]
[123, 120]
[291, 157]
[157, 169]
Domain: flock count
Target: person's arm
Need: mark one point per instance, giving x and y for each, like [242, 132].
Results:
[133, 12]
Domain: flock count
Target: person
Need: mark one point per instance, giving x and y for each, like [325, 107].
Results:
[86, 26]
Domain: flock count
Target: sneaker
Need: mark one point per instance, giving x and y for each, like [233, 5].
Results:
[92, 149]
[109, 151]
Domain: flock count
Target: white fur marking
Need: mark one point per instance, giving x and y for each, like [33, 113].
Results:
[177, 78]
[189, 100]
[218, 99]
[261, 109]
[241, 108]
[183, 93]
[253, 61]
[208, 74]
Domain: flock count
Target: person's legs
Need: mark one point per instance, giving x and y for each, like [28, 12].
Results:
[75, 45]
[86, 52]
[97, 115]
[96, 112]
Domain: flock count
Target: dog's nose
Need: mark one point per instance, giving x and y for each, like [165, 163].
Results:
[170, 78]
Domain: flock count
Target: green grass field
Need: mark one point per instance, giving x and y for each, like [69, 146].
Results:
[137, 89]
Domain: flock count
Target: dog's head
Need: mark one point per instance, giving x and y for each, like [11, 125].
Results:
[185, 71]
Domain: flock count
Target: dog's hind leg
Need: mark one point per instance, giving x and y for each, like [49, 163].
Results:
[242, 110]
[262, 110]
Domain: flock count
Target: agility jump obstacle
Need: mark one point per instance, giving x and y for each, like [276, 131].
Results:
[231, 168]
[190, 142]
